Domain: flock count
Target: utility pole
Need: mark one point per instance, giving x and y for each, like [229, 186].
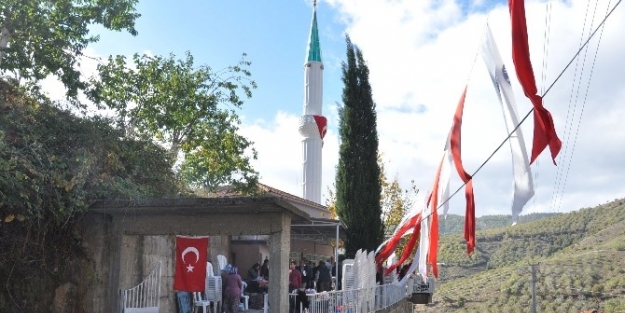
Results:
[533, 284]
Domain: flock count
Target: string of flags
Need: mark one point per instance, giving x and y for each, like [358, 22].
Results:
[422, 224]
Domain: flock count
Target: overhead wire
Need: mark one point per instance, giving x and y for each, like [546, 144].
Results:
[583, 105]
[532, 110]
[572, 104]
[546, 37]
[573, 58]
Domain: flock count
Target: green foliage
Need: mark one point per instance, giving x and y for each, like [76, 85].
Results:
[54, 165]
[189, 109]
[358, 185]
[395, 203]
[39, 38]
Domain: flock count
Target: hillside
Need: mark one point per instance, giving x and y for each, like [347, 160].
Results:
[454, 224]
[579, 261]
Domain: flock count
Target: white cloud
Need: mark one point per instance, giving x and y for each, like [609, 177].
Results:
[279, 152]
[421, 54]
[278, 145]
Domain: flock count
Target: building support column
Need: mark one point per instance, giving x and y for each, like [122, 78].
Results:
[115, 243]
[279, 248]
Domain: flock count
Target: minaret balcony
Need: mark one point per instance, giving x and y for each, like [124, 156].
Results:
[308, 127]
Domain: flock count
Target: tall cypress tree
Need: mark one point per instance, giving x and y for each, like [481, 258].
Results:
[358, 185]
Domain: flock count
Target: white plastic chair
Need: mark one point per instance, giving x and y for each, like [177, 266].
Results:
[209, 269]
[221, 259]
[213, 291]
[266, 303]
[199, 302]
[246, 298]
[348, 275]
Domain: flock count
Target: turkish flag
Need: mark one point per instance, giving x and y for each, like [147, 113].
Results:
[322, 125]
[191, 257]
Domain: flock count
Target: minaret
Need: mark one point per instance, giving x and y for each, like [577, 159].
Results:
[312, 125]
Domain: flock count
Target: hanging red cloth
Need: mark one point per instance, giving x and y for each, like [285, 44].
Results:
[392, 244]
[433, 204]
[408, 249]
[455, 143]
[544, 129]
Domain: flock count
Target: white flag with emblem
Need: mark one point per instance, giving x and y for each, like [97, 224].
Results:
[523, 183]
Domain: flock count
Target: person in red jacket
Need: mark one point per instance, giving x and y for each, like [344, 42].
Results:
[295, 277]
[295, 283]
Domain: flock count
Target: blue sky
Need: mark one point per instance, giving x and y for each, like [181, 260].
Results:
[421, 55]
[274, 34]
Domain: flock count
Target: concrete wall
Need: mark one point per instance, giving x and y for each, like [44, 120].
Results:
[246, 255]
[264, 252]
[139, 256]
[218, 245]
[124, 250]
[95, 230]
[279, 246]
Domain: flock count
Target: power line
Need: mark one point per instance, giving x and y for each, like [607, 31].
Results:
[572, 104]
[579, 121]
[531, 110]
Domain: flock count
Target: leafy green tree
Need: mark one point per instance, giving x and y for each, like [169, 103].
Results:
[43, 37]
[358, 185]
[395, 202]
[189, 109]
[54, 165]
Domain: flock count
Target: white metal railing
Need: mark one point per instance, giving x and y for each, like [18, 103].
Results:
[145, 297]
[389, 294]
[354, 301]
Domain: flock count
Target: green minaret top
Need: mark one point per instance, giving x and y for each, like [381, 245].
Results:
[314, 50]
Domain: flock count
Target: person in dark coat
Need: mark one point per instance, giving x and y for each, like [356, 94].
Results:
[324, 280]
[264, 269]
[253, 272]
[315, 269]
[306, 273]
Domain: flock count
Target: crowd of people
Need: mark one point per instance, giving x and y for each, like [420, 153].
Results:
[257, 277]
[303, 278]
[307, 277]
[315, 276]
